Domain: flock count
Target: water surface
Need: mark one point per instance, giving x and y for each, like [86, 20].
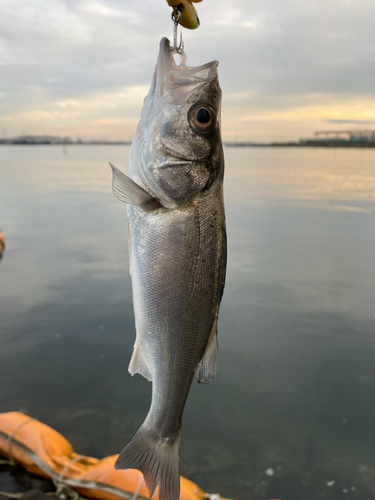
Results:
[296, 381]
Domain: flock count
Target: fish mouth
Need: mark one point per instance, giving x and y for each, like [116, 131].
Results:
[171, 75]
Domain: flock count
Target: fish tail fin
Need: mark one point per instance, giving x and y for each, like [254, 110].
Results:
[157, 458]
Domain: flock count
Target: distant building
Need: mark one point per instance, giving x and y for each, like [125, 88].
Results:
[348, 135]
[355, 138]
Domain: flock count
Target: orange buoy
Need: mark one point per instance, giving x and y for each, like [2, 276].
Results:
[43, 451]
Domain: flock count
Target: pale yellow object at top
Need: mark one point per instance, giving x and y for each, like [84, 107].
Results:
[189, 18]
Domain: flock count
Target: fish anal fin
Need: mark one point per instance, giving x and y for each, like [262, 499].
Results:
[138, 363]
[128, 191]
[207, 367]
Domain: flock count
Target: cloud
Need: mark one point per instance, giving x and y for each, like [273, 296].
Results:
[106, 115]
[276, 57]
[352, 122]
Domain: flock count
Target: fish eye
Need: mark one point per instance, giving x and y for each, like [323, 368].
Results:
[202, 117]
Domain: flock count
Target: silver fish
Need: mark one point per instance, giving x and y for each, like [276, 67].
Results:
[176, 219]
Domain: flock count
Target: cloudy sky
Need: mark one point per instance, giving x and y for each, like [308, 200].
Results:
[287, 67]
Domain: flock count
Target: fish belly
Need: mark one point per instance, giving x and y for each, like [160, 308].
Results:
[176, 257]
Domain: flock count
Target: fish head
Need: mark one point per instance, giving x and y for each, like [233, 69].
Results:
[177, 145]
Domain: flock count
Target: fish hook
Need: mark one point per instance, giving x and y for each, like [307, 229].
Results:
[176, 14]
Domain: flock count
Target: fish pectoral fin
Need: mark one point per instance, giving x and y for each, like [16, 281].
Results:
[208, 366]
[138, 363]
[128, 191]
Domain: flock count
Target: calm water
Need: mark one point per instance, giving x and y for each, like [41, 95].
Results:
[295, 390]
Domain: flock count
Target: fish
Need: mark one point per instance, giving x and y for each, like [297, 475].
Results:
[177, 249]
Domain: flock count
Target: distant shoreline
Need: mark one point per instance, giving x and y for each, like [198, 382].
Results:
[64, 144]
[309, 144]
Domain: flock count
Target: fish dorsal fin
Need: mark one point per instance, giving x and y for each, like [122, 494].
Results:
[207, 367]
[138, 363]
[128, 191]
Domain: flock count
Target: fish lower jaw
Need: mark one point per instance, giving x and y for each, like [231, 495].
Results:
[168, 160]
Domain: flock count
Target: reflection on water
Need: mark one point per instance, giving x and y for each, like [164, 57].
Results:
[316, 177]
[295, 386]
